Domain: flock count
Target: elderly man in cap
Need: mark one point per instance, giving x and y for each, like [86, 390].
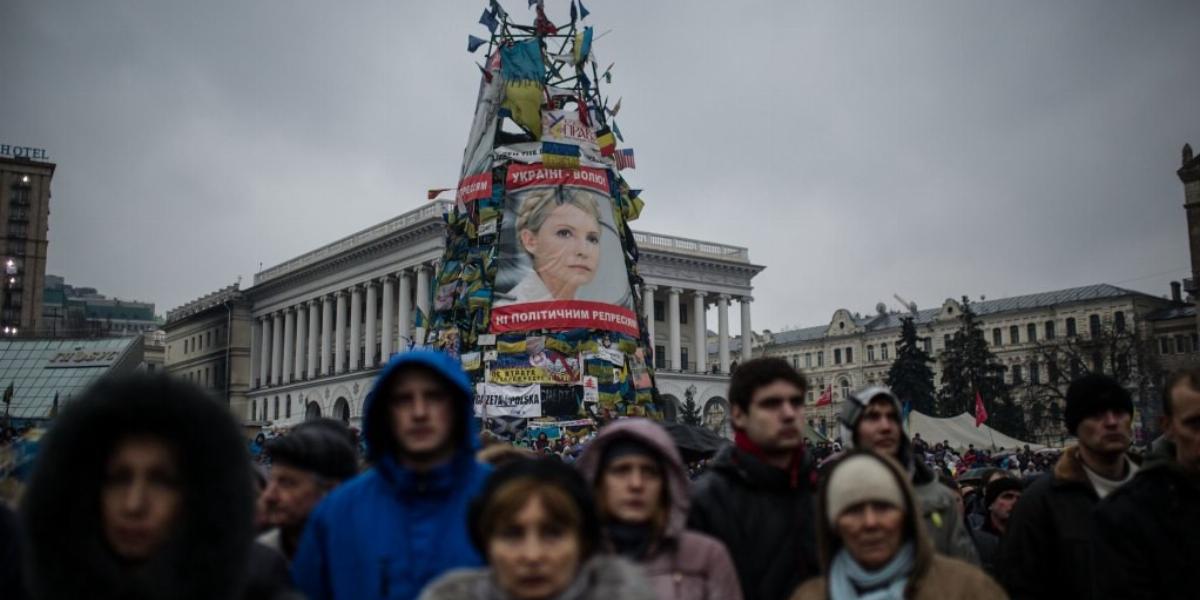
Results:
[871, 420]
[307, 463]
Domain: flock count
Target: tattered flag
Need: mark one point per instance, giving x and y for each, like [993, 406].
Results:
[616, 108]
[498, 10]
[434, 193]
[473, 44]
[488, 19]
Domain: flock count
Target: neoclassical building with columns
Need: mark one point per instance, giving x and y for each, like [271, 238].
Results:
[325, 322]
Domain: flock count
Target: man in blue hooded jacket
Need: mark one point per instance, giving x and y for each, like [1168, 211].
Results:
[388, 532]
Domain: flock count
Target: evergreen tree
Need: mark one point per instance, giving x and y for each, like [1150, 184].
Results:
[910, 376]
[968, 366]
[689, 413]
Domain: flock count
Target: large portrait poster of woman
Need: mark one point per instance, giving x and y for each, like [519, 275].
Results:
[561, 263]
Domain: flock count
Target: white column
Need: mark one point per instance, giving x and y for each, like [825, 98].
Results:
[314, 337]
[339, 334]
[277, 349]
[301, 341]
[264, 352]
[385, 344]
[723, 332]
[699, 331]
[369, 359]
[355, 326]
[327, 340]
[404, 316]
[289, 337]
[423, 297]
[747, 332]
[648, 309]
[673, 323]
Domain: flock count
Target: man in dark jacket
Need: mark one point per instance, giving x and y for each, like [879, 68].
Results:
[1000, 496]
[757, 496]
[403, 522]
[306, 464]
[1048, 550]
[1148, 531]
[872, 419]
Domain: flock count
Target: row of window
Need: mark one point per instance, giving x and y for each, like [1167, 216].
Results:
[209, 377]
[203, 341]
[1179, 344]
[660, 312]
[261, 410]
[1049, 329]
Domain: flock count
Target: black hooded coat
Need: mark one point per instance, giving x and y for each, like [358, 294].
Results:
[209, 553]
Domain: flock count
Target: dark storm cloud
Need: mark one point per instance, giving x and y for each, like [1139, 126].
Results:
[857, 148]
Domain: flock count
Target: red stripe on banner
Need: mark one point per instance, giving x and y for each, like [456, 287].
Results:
[523, 176]
[475, 187]
[564, 314]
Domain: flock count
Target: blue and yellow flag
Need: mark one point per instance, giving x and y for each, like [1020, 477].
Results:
[556, 155]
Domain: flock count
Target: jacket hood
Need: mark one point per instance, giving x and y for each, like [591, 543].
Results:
[377, 429]
[208, 550]
[854, 407]
[828, 542]
[654, 436]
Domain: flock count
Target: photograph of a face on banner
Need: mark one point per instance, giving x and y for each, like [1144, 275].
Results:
[559, 243]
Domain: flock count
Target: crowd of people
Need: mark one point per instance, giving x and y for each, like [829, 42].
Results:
[144, 488]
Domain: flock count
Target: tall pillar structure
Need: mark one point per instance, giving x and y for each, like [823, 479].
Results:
[355, 326]
[648, 308]
[389, 307]
[723, 332]
[327, 340]
[277, 349]
[747, 332]
[264, 351]
[314, 337]
[699, 331]
[289, 339]
[674, 351]
[339, 334]
[404, 314]
[369, 357]
[301, 341]
[1189, 174]
[423, 298]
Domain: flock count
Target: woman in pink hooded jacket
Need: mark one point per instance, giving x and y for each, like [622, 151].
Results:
[642, 497]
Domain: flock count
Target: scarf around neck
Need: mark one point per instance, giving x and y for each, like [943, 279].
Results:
[850, 581]
[743, 442]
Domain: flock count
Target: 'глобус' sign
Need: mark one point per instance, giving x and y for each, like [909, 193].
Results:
[23, 152]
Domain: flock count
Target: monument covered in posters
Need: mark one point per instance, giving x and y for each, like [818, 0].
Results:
[538, 291]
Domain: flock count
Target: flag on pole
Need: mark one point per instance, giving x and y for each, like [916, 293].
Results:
[905, 411]
[625, 159]
[556, 155]
[54, 407]
[617, 132]
[473, 44]
[8, 394]
[498, 10]
[616, 108]
[981, 415]
[583, 12]
[606, 141]
[488, 19]
[433, 194]
[574, 15]
[826, 396]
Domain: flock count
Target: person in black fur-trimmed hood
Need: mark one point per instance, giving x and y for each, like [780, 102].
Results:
[871, 419]
[142, 490]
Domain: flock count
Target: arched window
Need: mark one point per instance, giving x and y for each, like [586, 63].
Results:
[1119, 321]
[1071, 331]
[1094, 325]
[276, 407]
[845, 385]
[287, 406]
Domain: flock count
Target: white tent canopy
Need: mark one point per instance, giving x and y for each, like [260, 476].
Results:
[961, 431]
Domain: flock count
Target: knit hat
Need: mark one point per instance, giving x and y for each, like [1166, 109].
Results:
[999, 486]
[860, 478]
[542, 470]
[321, 446]
[1093, 394]
[626, 446]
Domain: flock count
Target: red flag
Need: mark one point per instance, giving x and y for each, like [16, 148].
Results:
[826, 396]
[434, 193]
[980, 411]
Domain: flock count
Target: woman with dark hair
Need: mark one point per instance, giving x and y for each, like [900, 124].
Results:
[873, 545]
[534, 522]
[142, 489]
[641, 488]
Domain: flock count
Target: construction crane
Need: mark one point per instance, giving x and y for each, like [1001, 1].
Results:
[911, 306]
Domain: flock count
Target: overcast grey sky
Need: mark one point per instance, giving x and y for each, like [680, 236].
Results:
[928, 148]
